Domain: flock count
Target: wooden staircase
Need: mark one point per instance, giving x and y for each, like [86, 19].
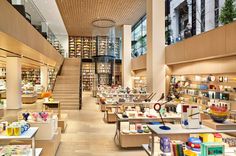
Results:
[67, 85]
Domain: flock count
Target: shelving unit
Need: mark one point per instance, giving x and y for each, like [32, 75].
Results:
[201, 89]
[52, 74]
[86, 46]
[140, 82]
[88, 75]
[28, 135]
[31, 75]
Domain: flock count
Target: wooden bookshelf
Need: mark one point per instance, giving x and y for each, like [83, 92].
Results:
[86, 46]
[31, 75]
[52, 73]
[88, 70]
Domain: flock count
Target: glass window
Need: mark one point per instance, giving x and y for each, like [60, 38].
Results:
[139, 39]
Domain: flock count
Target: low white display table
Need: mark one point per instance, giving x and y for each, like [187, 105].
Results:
[28, 135]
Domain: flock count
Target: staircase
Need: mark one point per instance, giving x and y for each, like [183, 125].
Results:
[66, 89]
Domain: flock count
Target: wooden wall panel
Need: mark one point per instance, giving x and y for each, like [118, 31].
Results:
[19, 36]
[231, 38]
[216, 43]
[212, 66]
[179, 50]
[78, 15]
[139, 63]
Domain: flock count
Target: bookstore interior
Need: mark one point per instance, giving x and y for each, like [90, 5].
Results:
[117, 78]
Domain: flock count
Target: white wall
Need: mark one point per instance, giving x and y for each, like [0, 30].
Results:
[64, 40]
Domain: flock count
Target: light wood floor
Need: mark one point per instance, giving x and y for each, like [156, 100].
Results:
[88, 135]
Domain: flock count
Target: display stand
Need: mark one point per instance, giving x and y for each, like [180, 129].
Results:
[137, 139]
[49, 146]
[28, 135]
[219, 126]
[62, 122]
[53, 104]
[110, 116]
[62, 118]
[177, 132]
[29, 98]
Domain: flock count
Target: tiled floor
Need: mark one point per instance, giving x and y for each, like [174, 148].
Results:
[86, 134]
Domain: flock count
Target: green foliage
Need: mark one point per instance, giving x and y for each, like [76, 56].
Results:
[228, 12]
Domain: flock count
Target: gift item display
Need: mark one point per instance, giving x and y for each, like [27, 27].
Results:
[201, 89]
[14, 129]
[45, 121]
[203, 141]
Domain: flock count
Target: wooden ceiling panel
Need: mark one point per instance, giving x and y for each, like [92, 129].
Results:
[78, 15]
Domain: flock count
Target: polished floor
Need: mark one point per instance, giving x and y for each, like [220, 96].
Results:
[86, 134]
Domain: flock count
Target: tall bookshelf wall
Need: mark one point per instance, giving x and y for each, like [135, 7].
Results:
[88, 70]
[86, 47]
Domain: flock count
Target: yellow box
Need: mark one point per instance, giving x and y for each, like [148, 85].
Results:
[207, 137]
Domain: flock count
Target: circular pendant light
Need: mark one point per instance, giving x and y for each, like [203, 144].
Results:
[103, 23]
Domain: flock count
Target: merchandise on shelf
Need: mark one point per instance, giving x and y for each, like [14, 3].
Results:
[86, 46]
[88, 75]
[52, 74]
[28, 88]
[139, 82]
[2, 85]
[31, 75]
[16, 150]
[14, 129]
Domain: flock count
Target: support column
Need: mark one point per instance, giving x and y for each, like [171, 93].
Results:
[13, 78]
[44, 77]
[126, 56]
[156, 46]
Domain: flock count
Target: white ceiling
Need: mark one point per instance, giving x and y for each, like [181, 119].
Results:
[50, 12]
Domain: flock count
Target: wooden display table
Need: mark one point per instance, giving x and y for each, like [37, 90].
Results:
[110, 117]
[62, 122]
[112, 108]
[137, 139]
[177, 132]
[29, 98]
[51, 105]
